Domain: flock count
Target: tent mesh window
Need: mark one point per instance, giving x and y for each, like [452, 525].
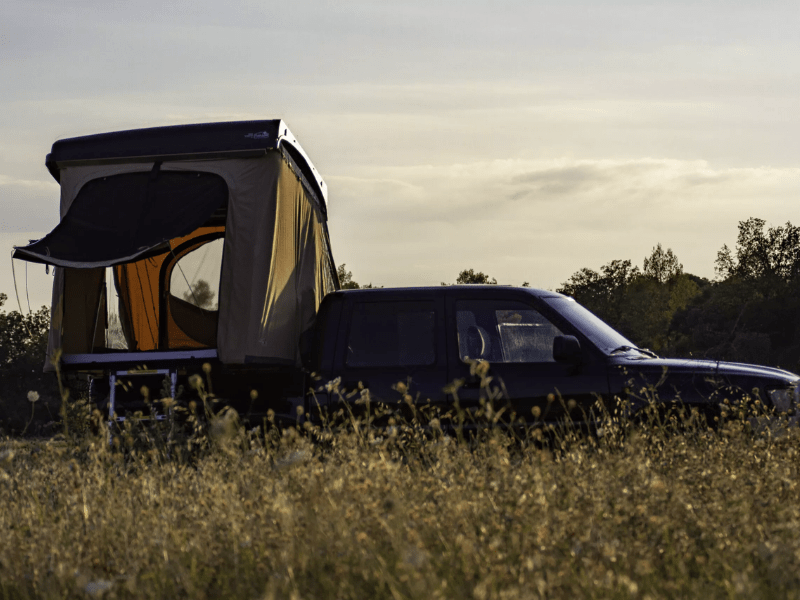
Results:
[192, 302]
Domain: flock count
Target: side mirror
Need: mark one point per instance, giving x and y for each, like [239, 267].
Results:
[566, 348]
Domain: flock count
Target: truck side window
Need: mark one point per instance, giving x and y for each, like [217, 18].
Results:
[391, 334]
[504, 332]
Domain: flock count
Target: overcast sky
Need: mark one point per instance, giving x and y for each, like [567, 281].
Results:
[521, 138]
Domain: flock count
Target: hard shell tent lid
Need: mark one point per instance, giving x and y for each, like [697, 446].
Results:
[186, 142]
[147, 210]
[119, 218]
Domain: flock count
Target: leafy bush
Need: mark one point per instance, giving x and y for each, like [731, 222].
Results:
[23, 346]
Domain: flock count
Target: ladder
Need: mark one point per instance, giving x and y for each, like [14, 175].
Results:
[115, 375]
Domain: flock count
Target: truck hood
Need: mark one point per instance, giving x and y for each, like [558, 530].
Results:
[703, 367]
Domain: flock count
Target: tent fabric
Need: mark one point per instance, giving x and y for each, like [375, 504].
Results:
[55, 334]
[140, 285]
[191, 326]
[269, 306]
[276, 264]
[147, 209]
[187, 325]
[83, 299]
[78, 316]
[137, 287]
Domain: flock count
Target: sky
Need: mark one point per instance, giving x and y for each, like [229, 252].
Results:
[524, 139]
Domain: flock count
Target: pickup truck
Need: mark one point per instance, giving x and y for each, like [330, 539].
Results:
[550, 356]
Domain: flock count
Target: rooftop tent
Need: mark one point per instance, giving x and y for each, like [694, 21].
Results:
[144, 211]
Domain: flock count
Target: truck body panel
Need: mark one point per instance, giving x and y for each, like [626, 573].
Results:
[514, 332]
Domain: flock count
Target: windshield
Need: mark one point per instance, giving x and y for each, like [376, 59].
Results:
[598, 331]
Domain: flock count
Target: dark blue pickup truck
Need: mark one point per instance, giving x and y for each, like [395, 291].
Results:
[539, 346]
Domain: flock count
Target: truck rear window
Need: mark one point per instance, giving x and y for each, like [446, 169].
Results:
[391, 334]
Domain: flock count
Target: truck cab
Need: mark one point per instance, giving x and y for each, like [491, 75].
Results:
[550, 357]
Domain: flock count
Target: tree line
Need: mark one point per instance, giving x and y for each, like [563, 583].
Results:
[749, 312]
[29, 398]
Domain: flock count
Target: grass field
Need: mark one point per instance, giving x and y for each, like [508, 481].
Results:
[644, 512]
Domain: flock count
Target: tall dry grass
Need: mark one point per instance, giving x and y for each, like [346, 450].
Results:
[346, 511]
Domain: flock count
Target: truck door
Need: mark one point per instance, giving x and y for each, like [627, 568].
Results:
[516, 339]
[389, 340]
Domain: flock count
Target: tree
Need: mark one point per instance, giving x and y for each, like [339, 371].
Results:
[725, 264]
[770, 256]
[346, 281]
[640, 304]
[346, 278]
[649, 306]
[602, 292]
[23, 346]
[752, 311]
[662, 265]
[716, 322]
[23, 338]
[469, 276]
[201, 295]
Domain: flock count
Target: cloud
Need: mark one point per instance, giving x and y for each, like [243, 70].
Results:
[28, 204]
[561, 180]
[542, 220]
[33, 184]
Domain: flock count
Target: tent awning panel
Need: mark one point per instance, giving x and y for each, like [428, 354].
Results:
[122, 217]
